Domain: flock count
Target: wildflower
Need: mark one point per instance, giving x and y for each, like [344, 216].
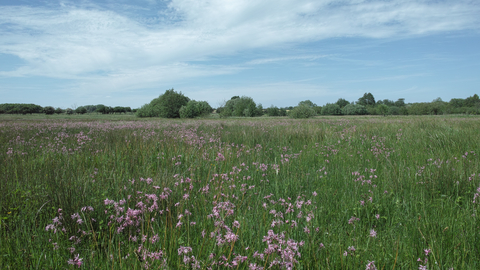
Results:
[371, 266]
[236, 224]
[427, 251]
[322, 245]
[373, 233]
[377, 216]
[76, 261]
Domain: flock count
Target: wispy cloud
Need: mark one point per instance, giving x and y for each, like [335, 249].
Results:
[118, 46]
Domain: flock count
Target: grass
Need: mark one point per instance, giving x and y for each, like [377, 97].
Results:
[332, 193]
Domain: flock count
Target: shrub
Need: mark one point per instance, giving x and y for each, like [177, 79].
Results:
[167, 105]
[69, 111]
[49, 110]
[244, 106]
[81, 110]
[331, 109]
[354, 109]
[195, 109]
[59, 111]
[302, 111]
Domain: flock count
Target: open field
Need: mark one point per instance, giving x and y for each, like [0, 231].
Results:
[324, 193]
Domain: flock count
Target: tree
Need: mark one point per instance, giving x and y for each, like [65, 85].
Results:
[101, 109]
[273, 111]
[400, 102]
[354, 109]
[166, 105]
[382, 109]
[307, 103]
[243, 106]
[49, 110]
[59, 111]
[195, 109]
[367, 100]
[302, 111]
[69, 111]
[342, 102]
[331, 109]
[81, 110]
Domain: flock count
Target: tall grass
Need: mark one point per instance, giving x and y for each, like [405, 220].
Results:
[324, 193]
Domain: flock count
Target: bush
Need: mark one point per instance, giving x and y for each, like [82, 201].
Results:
[243, 106]
[49, 110]
[195, 109]
[273, 111]
[394, 110]
[81, 110]
[167, 105]
[331, 109]
[69, 111]
[382, 109]
[302, 111]
[59, 111]
[354, 109]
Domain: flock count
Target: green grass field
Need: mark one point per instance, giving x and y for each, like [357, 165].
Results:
[98, 192]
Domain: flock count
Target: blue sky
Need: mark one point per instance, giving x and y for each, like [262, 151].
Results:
[279, 52]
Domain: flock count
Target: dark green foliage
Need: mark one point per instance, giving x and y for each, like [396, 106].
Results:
[119, 109]
[48, 110]
[20, 108]
[273, 111]
[81, 110]
[354, 109]
[101, 109]
[59, 111]
[393, 110]
[367, 100]
[331, 109]
[386, 102]
[400, 102]
[382, 109]
[167, 105]
[307, 103]
[342, 102]
[195, 109]
[241, 107]
[302, 111]
[69, 111]
[90, 108]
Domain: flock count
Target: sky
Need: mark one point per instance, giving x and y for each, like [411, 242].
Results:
[279, 52]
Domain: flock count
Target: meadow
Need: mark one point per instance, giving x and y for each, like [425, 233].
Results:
[261, 193]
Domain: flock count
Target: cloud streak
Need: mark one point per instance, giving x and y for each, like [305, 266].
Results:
[95, 44]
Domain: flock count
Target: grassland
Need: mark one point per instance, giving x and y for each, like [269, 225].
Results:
[326, 193]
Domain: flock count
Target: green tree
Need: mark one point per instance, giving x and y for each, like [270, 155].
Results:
[382, 109]
[354, 109]
[243, 106]
[59, 111]
[331, 109]
[273, 111]
[400, 102]
[81, 110]
[166, 105]
[302, 111]
[367, 100]
[195, 109]
[49, 110]
[342, 102]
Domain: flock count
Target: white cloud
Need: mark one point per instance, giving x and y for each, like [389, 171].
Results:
[114, 51]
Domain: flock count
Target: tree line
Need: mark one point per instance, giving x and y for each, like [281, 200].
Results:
[172, 104]
[21, 108]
